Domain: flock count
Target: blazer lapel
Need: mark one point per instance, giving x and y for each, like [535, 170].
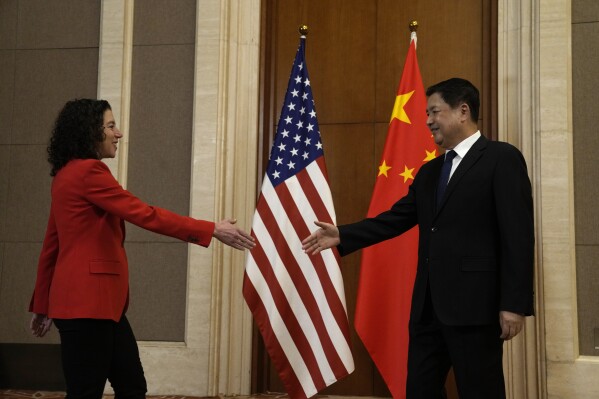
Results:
[472, 156]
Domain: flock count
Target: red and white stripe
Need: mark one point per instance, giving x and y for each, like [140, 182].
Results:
[298, 300]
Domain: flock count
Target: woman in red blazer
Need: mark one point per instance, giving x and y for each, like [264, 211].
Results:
[83, 277]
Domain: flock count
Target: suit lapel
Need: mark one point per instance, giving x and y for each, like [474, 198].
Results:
[472, 156]
[436, 165]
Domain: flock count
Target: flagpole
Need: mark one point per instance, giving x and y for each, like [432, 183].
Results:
[413, 28]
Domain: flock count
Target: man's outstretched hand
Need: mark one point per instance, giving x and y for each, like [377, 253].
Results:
[324, 238]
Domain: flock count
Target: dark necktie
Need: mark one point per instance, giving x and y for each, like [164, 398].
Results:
[444, 177]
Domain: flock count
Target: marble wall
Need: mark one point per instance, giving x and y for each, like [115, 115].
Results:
[564, 255]
[546, 81]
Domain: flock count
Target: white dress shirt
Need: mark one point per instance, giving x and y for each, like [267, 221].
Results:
[462, 149]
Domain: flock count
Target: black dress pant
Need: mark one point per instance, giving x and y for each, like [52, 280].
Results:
[475, 352]
[94, 351]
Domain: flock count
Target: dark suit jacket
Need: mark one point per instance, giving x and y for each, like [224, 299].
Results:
[83, 270]
[477, 250]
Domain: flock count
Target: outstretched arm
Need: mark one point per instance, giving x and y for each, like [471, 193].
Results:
[324, 238]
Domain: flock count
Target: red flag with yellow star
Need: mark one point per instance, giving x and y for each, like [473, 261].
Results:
[389, 268]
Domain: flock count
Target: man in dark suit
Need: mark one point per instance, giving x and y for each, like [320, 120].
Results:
[474, 283]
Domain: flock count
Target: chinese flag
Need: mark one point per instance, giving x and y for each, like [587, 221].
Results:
[388, 269]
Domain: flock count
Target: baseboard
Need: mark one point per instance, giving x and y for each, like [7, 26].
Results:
[31, 366]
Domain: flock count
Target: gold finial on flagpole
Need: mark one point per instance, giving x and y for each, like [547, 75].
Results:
[413, 26]
[303, 30]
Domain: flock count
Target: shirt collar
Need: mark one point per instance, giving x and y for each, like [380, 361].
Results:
[464, 146]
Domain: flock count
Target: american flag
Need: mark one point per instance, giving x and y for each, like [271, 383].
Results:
[298, 300]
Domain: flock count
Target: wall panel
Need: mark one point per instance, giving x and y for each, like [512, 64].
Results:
[28, 197]
[339, 53]
[158, 22]
[8, 24]
[7, 91]
[159, 161]
[585, 56]
[4, 187]
[584, 11]
[17, 272]
[45, 80]
[160, 137]
[58, 24]
[48, 55]
[157, 290]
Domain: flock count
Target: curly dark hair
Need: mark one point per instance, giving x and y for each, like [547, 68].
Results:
[77, 132]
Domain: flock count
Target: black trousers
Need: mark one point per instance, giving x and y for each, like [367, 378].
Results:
[94, 351]
[475, 352]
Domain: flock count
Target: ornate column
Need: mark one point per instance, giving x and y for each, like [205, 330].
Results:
[225, 153]
[519, 115]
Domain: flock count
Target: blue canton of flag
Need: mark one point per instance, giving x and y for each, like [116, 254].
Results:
[297, 141]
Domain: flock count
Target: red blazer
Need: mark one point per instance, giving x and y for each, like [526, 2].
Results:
[82, 270]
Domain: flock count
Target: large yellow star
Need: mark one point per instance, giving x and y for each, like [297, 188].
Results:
[398, 111]
[407, 174]
[383, 169]
[430, 155]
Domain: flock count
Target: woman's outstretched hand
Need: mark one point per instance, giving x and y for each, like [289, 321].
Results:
[227, 233]
[324, 238]
[40, 324]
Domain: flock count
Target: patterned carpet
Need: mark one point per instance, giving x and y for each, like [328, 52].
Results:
[20, 394]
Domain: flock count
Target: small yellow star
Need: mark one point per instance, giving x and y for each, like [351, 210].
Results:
[398, 111]
[430, 155]
[407, 174]
[383, 169]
